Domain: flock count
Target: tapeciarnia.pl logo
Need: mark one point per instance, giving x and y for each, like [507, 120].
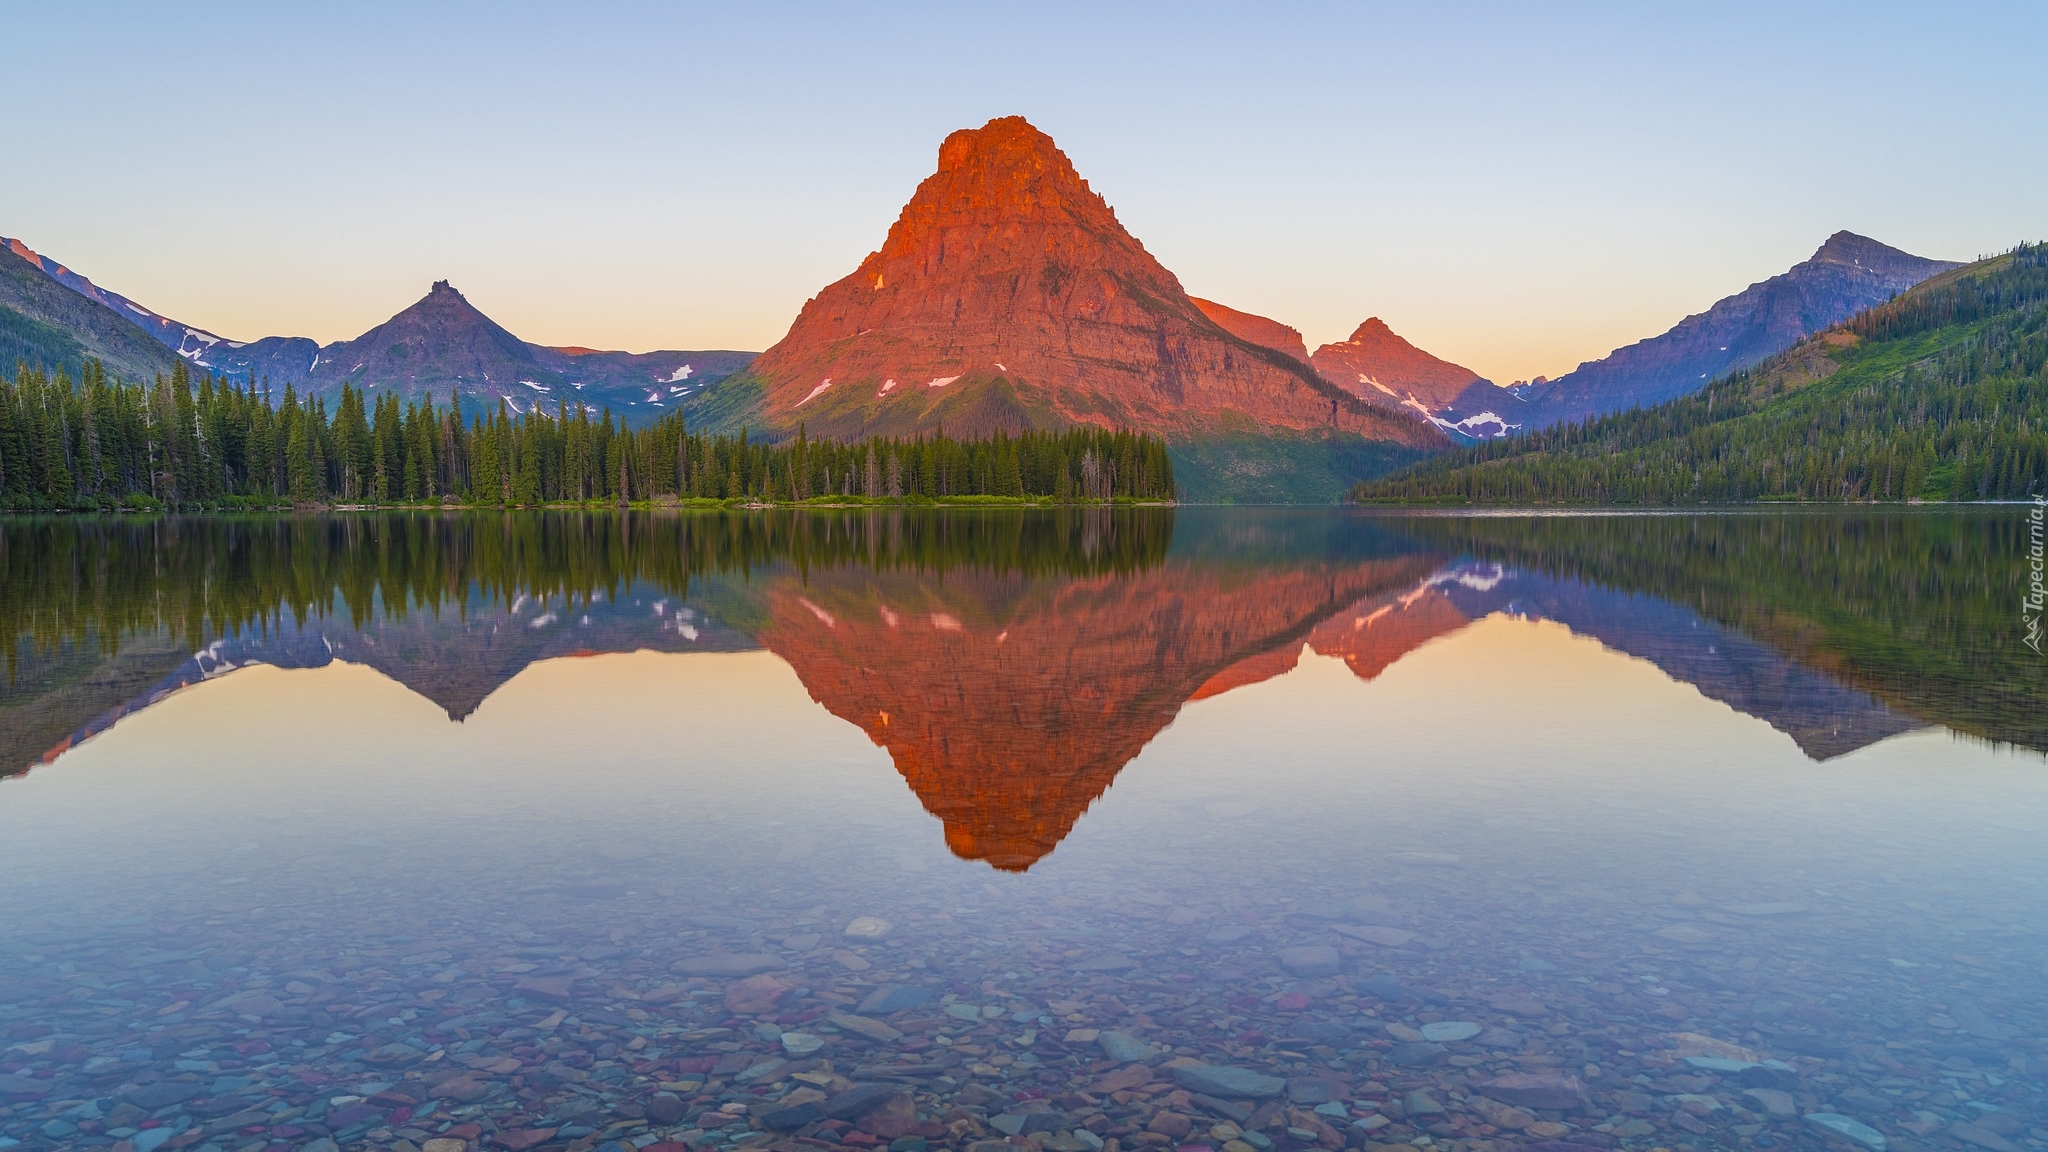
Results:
[2037, 593]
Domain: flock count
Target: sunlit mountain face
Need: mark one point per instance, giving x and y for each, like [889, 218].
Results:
[1011, 665]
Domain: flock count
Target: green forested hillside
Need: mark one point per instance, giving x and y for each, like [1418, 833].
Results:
[1941, 394]
[49, 327]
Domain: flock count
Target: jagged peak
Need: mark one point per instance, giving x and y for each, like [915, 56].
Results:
[1374, 328]
[1846, 247]
[1000, 175]
[443, 299]
[1007, 142]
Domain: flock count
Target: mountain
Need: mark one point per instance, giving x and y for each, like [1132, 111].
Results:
[50, 314]
[1384, 370]
[183, 339]
[1380, 367]
[1941, 394]
[1008, 296]
[444, 342]
[48, 324]
[1846, 275]
[1255, 329]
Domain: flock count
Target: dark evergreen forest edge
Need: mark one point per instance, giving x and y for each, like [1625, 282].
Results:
[99, 444]
[1919, 610]
[1938, 395]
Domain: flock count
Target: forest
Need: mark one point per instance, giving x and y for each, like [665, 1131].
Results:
[1938, 395]
[100, 444]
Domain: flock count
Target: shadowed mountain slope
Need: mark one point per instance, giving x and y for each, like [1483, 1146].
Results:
[1846, 275]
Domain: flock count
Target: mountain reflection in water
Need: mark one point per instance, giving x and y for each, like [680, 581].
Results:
[1012, 663]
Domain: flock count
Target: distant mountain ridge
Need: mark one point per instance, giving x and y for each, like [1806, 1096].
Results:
[443, 343]
[440, 343]
[1936, 395]
[1846, 275]
[1007, 295]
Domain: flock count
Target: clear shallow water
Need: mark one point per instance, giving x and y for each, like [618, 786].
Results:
[1466, 832]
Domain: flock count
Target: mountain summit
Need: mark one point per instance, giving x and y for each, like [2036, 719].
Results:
[1375, 362]
[444, 343]
[1007, 295]
[1381, 367]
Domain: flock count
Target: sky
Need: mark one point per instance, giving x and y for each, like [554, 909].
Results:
[1515, 187]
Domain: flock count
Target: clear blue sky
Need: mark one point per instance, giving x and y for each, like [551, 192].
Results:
[1517, 187]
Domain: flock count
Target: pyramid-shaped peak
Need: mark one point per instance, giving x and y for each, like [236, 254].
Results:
[1374, 328]
[1381, 367]
[1007, 295]
[1862, 252]
[1846, 247]
[1002, 174]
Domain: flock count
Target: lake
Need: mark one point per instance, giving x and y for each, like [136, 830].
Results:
[1074, 831]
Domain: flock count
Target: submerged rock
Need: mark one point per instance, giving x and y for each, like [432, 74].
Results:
[1227, 1081]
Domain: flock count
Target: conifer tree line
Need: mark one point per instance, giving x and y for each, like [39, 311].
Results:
[100, 443]
[1941, 394]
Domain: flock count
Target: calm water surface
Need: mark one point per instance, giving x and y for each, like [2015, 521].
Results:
[1078, 832]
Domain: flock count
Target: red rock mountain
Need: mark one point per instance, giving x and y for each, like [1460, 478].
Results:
[1257, 329]
[1007, 295]
[1379, 366]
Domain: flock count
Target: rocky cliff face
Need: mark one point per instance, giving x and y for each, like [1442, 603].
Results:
[1255, 329]
[1007, 295]
[1009, 703]
[1846, 275]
